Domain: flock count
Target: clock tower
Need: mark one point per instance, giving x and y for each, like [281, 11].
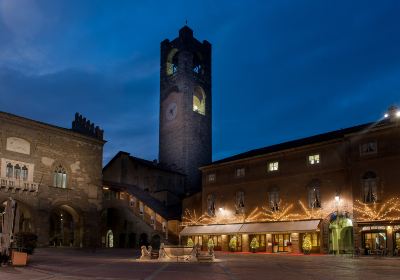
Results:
[185, 106]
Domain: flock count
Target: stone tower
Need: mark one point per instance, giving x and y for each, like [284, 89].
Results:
[185, 106]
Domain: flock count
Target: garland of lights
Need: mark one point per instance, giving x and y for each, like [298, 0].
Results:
[387, 211]
[258, 214]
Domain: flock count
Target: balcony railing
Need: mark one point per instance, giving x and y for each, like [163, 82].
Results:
[18, 185]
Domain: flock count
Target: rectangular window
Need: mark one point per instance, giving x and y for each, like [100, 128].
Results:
[273, 166]
[240, 172]
[369, 148]
[211, 177]
[314, 159]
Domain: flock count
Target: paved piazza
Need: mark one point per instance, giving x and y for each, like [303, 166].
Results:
[120, 264]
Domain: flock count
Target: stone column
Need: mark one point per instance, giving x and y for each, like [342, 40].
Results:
[389, 241]
[245, 243]
[269, 243]
[42, 227]
[295, 243]
[225, 242]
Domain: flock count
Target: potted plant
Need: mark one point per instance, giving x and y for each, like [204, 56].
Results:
[210, 246]
[254, 245]
[289, 247]
[275, 246]
[307, 246]
[190, 242]
[25, 243]
[233, 244]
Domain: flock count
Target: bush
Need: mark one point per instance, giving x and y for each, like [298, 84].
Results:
[25, 242]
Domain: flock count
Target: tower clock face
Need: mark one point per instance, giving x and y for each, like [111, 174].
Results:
[172, 110]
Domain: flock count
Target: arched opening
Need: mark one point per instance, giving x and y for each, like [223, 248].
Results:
[172, 62]
[155, 242]
[65, 227]
[143, 240]
[23, 217]
[110, 239]
[341, 235]
[199, 101]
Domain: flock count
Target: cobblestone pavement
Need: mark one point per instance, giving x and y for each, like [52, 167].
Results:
[120, 264]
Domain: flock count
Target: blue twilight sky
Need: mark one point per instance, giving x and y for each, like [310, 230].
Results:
[281, 69]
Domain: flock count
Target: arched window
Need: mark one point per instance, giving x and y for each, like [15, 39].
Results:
[17, 171]
[24, 173]
[172, 62]
[314, 195]
[239, 202]
[9, 170]
[199, 101]
[369, 187]
[60, 177]
[211, 205]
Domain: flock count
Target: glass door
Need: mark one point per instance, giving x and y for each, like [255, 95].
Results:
[282, 240]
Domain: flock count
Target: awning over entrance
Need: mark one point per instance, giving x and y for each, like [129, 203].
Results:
[270, 227]
[211, 229]
[292, 226]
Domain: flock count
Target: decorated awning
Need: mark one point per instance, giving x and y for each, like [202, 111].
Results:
[211, 229]
[275, 227]
[268, 227]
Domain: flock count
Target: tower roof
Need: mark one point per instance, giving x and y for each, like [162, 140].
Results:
[185, 32]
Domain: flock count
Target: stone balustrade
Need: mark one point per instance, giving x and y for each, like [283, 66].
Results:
[11, 184]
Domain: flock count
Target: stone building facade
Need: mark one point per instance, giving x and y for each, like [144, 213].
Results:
[54, 174]
[142, 201]
[336, 191]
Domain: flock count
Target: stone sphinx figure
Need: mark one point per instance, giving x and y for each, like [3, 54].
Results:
[162, 255]
[145, 254]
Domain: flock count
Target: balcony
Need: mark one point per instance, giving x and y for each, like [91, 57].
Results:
[11, 184]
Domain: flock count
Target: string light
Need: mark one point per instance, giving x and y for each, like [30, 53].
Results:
[387, 211]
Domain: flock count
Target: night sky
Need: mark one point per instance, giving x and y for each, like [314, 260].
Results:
[281, 69]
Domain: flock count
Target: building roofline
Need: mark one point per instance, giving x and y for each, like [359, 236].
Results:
[297, 143]
[145, 162]
[50, 126]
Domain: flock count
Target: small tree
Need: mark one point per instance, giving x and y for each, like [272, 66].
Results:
[233, 243]
[210, 244]
[254, 244]
[25, 242]
[307, 246]
[190, 242]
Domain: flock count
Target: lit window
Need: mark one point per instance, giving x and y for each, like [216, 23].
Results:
[60, 177]
[240, 172]
[211, 177]
[199, 101]
[369, 187]
[273, 166]
[141, 208]
[369, 148]
[273, 198]
[314, 159]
